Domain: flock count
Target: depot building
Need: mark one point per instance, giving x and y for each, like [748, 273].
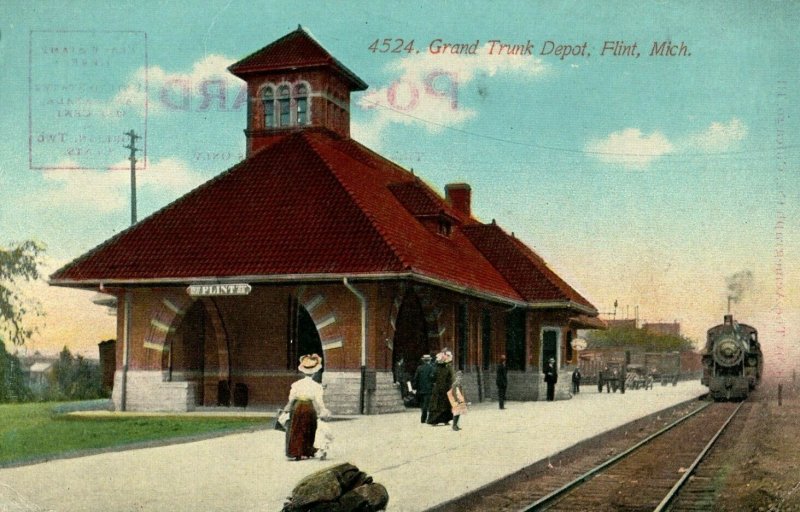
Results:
[316, 244]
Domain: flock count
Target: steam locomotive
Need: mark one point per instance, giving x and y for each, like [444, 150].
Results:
[732, 360]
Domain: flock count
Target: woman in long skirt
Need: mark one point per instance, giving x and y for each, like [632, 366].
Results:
[305, 406]
[440, 410]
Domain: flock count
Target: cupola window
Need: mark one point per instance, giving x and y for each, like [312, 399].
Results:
[301, 100]
[268, 101]
[283, 104]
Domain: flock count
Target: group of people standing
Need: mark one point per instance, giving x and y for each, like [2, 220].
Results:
[437, 386]
[439, 390]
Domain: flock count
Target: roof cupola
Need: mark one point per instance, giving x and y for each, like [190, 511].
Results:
[294, 83]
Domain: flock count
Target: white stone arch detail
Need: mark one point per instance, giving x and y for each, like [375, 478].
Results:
[394, 311]
[325, 317]
[167, 315]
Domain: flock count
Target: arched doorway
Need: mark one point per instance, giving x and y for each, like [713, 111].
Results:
[308, 340]
[410, 338]
[193, 355]
[304, 337]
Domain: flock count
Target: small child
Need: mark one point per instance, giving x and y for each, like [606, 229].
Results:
[457, 401]
[323, 439]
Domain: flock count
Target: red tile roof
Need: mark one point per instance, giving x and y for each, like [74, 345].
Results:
[295, 50]
[524, 269]
[415, 198]
[313, 203]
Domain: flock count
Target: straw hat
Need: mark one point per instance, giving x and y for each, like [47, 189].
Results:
[310, 364]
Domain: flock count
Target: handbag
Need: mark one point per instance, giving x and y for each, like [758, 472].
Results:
[458, 407]
[281, 420]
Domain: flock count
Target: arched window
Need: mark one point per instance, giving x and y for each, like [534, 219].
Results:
[268, 101]
[301, 100]
[283, 105]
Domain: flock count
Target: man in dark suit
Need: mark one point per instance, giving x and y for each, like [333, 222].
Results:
[423, 384]
[502, 382]
[576, 381]
[551, 377]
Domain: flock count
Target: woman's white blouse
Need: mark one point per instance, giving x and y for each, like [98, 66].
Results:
[308, 389]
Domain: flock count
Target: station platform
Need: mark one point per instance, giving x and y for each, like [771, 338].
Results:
[420, 465]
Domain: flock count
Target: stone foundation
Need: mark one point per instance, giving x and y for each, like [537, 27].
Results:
[387, 397]
[522, 386]
[342, 393]
[147, 391]
[563, 386]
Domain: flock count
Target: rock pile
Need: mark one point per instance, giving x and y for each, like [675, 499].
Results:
[340, 488]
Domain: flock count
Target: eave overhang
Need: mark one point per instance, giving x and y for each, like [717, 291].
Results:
[322, 277]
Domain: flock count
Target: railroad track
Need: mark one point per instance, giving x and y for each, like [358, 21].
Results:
[648, 475]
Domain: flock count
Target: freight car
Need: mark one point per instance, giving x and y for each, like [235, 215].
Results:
[732, 360]
[665, 367]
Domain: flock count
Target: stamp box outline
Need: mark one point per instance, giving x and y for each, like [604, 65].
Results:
[143, 160]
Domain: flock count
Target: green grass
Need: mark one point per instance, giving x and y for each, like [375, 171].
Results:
[36, 431]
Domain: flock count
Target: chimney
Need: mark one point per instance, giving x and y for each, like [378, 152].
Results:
[459, 196]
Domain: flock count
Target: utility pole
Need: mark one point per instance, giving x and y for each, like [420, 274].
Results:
[132, 158]
[128, 294]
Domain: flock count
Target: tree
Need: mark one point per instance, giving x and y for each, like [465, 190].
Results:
[630, 337]
[74, 378]
[12, 380]
[19, 263]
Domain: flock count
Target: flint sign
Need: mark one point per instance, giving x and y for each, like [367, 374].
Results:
[214, 290]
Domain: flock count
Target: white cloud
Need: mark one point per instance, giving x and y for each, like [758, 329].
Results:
[171, 174]
[633, 149]
[108, 191]
[427, 90]
[630, 148]
[717, 137]
[201, 88]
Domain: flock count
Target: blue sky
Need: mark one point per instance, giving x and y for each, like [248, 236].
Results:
[646, 180]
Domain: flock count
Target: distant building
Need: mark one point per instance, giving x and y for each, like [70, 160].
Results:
[37, 369]
[666, 329]
[38, 375]
[622, 323]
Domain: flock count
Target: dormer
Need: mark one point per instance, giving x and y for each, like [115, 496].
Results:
[294, 83]
[425, 206]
